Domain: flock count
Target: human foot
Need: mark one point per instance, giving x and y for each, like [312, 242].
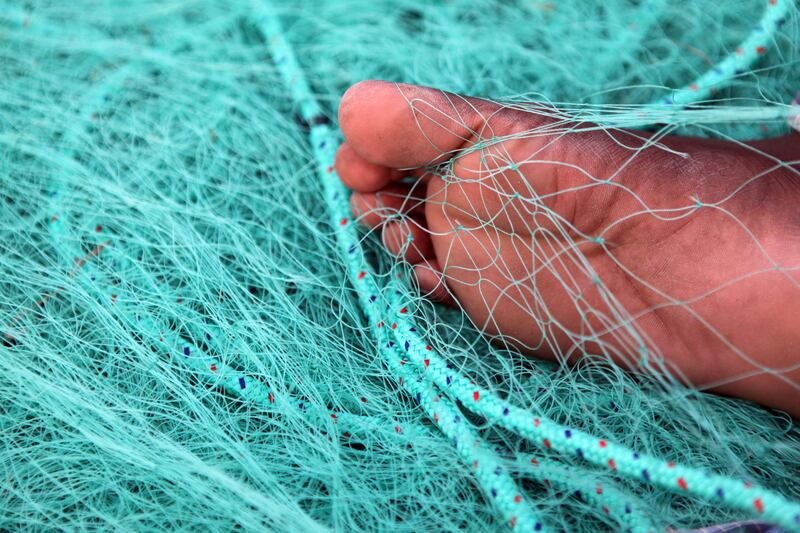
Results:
[570, 239]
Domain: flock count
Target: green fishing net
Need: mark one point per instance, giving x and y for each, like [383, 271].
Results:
[182, 345]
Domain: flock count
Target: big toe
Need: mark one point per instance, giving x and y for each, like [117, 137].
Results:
[397, 125]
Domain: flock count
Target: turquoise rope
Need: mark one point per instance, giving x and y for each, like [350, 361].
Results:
[608, 499]
[755, 45]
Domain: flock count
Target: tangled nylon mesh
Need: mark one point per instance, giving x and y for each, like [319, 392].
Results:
[158, 184]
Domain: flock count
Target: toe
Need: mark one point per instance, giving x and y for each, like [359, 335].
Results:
[373, 209]
[431, 282]
[407, 239]
[359, 174]
[403, 126]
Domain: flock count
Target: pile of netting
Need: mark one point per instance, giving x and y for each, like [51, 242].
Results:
[182, 344]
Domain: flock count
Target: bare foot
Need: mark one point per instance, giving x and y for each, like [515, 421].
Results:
[684, 254]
